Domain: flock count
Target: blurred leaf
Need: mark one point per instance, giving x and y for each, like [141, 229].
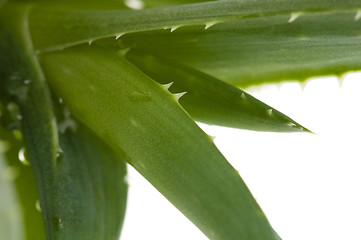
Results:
[210, 100]
[19, 217]
[143, 122]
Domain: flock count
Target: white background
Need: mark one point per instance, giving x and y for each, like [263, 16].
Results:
[309, 185]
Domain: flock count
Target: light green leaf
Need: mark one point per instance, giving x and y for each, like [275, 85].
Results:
[210, 100]
[143, 122]
[56, 27]
[263, 49]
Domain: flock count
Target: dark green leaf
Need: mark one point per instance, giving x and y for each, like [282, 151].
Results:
[210, 100]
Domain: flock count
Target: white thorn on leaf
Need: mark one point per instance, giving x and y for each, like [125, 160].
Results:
[270, 112]
[243, 96]
[118, 36]
[290, 124]
[179, 95]
[210, 24]
[167, 86]
[90, 42]
[294, 16]
[358, 15]
[172, 29]
[212, 137]
[340, 81]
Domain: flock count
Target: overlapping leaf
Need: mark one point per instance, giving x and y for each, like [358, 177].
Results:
[58, 27]
[20, 216]
[264, 49]
[143, 122]
[210, 100]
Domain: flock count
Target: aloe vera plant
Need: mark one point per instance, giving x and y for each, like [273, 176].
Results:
[87, 87]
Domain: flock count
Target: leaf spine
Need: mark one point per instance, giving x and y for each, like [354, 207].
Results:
[210, 24]
[167, 86]
[270, 112]
[294, 16]
[179, 95]
[172, 29]
[358, 15]
[118, 36]
[212, 137]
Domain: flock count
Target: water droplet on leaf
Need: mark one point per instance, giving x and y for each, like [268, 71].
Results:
[22, 157]
[140, 96]
[37, 205]
[67, 122]
[134, 4]
[59, 156]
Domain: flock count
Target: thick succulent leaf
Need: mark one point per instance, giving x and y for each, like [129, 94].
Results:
[88, 188]
[143, 122]
[263, 49]
[56, 28]
[210, 100]
[20, 217]
[162, 3]
[79, 179]
[25, 87]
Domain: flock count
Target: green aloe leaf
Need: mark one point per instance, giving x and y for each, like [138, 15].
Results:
[263, 49]
[25, 89]
[89, 190]
[20, 216]
[80, 180]
[58, 27]
[143, 121]
[162, 3]
[210, 100]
